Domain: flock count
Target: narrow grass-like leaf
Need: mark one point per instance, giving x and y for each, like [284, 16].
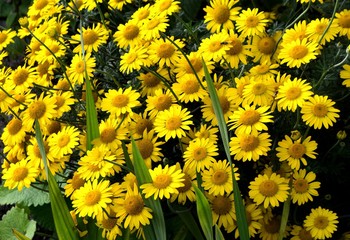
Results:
[64, 224]
[191, 224]
[285, 214]
[218, 233]
[19, 235]
[181, 233]
[204, 214]
[92, 131]
[143, 176]
[239, 205]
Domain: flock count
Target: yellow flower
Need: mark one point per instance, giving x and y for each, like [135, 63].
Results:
[6, 38]
[3, 54]
[166, 7]
[128, 35]
[52, 50]
[264, 46]
[297, 32]
[92, 198]
[345, 74]
[73, 184]
[20, 174]
[251, 22]
[321, 223]
[188, 89]
[153, 26]
[318, 111]
[296, 151]
[151, 82]
[21, 79]
[173, 123]
[80, 67]
[118, 4]
[134, 59]
[300, 233]
[264, 70]
[14, 132]
[64, 142]
[220, 15]
[223, 210]
[304, 186]
[212, 48]
[165, 182]
[161, 101]
[110, 225]
[259, 92]
[269, 190]
[342, 18]
[315, 30]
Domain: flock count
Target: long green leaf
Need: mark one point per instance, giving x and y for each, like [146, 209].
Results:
[91, 116]
[64, 224]
[143, 176]
[239, 205]
[191, 224]
[204, 213]
[19, 235]
[285, 213]
[218, 233]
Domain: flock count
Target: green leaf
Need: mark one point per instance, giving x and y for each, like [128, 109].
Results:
[11, 17]
[238, 201]
[91, 117]
[43, 216]
[143, 176]
[285, 213]
[191, 224]
[28, 196]
[19, 235]
[204, 214]
[17, 219]
[218, 233]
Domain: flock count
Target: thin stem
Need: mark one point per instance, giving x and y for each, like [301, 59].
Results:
[330, 21]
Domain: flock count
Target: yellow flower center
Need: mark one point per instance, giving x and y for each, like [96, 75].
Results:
[173, 123]
[150, 80]
[37, 150]
[54, 48]
[153, 23]
[268, 188]
[146, 147]
[236, 47]
[250, 117]
[40, 4]
[120, 101]
[293, 93]
[3, 37]
[221, 14]
[53, 127]
[252, 21]
[190, 86]
[133, 205]
[109, 223]
[298, 52]
[63, 140]
[297, 150]
[143, 14]
[196, 64]
[259, 89]
[59, 101]
[164, 5]
[131, 32]
[108, 135]
[63, 85]
[3, 96]
[221, 205]
[249, 217]
[131, 57]
[90, 37]
[262, 69]
[20, 76]
[43, 68]
[320, 110]
[200, 153]
[214, 46]
[37, 109]
[77, 182]
[143, 124]
[224, 103]
[219, 177]
[343, 20]
[249, 143]
[321, 222]
[301, 185]
[165, 50]
[19, 174]
[320, 28]
[187, 184]
[14, 126]
[163, 102]
[273, 226]
[162, 181]
[266, 45]
[93, 197]
[305, 235]
[79, 67]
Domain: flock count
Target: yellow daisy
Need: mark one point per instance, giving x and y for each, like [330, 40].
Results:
[118, 4]
[251, 22]
[300, 233]
[134, 59]
[14, 132]
[73, 184]
[321, 223]
[270, 228]
[139, 123]
[80, 67]
[64, 142]
[207, 132]
[315, 30]
[296, 151]
[161, 101]
[212, 48]
[259, 92]
[269, 190]
[220, 15]
[297, 32]
[345, 74]
[319, 112]
[166, 7]
[165, 182]
[223, 210]
[6, 38]
[153, 26]
[109, 224]
[342, 18]
[264, 46]
[263, 71]
[304, 186]
[173, 123]
[21, 79]
[51, 51]
[189, 89]
[128, 35]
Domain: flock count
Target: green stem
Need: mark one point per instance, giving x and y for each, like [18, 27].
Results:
[330, 21]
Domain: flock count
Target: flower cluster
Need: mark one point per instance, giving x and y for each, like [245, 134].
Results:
[274, 76]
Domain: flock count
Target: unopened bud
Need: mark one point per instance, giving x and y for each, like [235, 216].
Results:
[52, 32]
[341, 135]
[23, 21]
[295, 135]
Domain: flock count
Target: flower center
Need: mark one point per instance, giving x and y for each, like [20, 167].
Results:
[268, 188]
[40, 4]
[133, 205]
[165, 5]
[266, 45]
[272, 226]
[43, 68]
[150, 80]
[144, 13]
[93, 197]
[297, 150]
[298, 52]
[320, 28]
[3, 37]
[214, 46]
[320, 110]
[37, 150]
[321, 222]
[37, 109]
[3, 96]
[109, 223]
[259, 89]
[131, 32]
[63, 140]
[221, 14]
[166, 50]
[163, 102]
[77, 182]
[344, 21]
[120, 101]
[20, 76]
[54, 48]
[63, 85]
[249, 143]
[108, 135]
[252, 21]
[53, 127]
[305, 235]
[301, 185]
[219, 177]
[153, 23]
[173, 123]
[200, 153]
[221, 205]
[187, 184]
[191, 86]
[249, 217]
[131, 57]
[59, 102]
[146, 147]
[162, 181]
[80, 67]
[250, 117]
[14, 126]
[20, 173]
[224, 103]
[196, 64]
[262, 69]
[143, 124]
[293, 93]
[90, 37]
[235, 47]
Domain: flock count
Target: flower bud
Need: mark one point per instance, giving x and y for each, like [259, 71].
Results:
[23, 21]
[295, 135]
[341, 135]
